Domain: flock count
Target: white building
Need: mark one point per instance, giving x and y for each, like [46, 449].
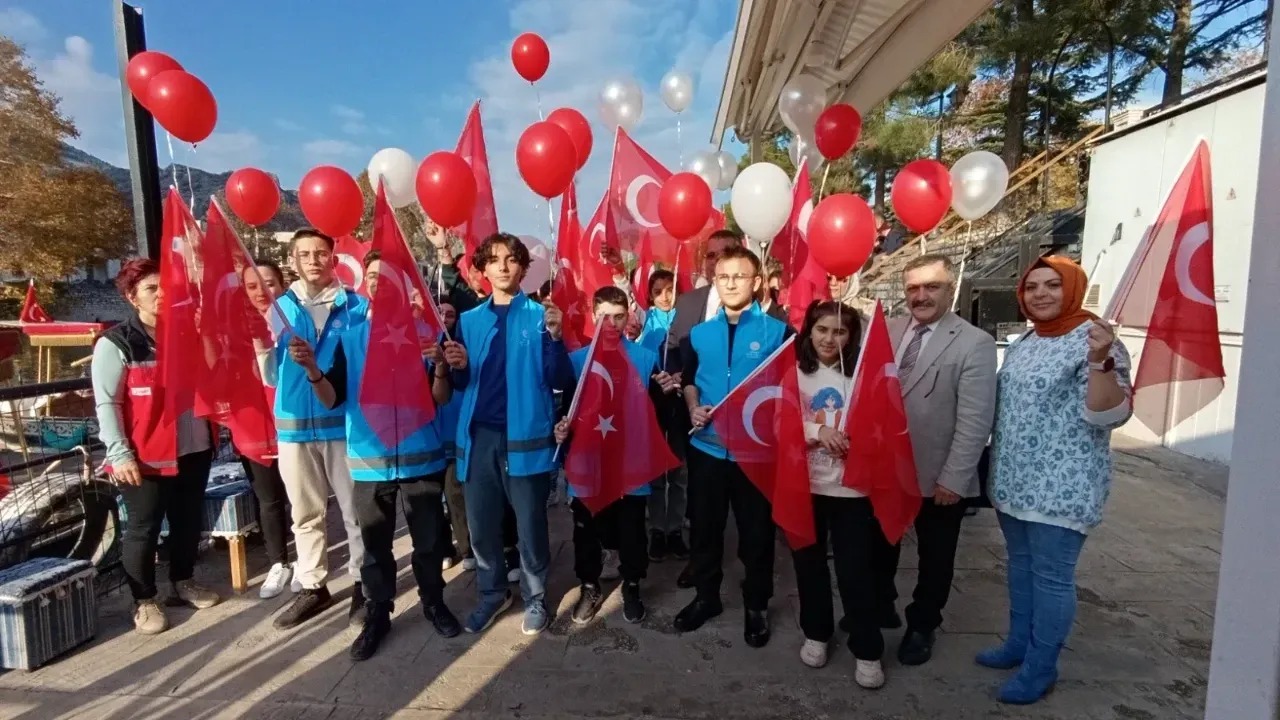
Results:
[1132, 170]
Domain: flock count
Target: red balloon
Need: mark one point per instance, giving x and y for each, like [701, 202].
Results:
[574, 123]
[446, 188]
[684, 205]
[546, 158]
[837, 130]
[841, 234]
[253, 195]
[144, 66]
[921, 194]
[182, 104]
[531, 56]
[331, 200]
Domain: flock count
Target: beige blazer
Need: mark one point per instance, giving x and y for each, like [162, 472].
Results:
[950, 399]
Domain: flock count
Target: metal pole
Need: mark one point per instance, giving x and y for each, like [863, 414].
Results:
[937, 146]
[140, 136]
[1111, 74]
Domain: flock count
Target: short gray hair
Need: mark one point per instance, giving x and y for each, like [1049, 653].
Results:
[927, 260]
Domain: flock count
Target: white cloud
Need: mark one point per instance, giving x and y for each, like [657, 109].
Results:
[331, 150]
[592, 41]
[22, 26]
[287, 125]
[352, 120]
[223, 151]
[90, 98]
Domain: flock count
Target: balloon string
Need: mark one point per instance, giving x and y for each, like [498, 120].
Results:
[680, 142]
[822, 189]
[190, 191]
[537, 95]
[173, 164]
[964, 258]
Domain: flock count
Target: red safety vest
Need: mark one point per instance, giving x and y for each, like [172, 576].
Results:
[153, 435]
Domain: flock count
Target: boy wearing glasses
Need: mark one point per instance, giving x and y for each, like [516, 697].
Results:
[716, 356]
[312, 437]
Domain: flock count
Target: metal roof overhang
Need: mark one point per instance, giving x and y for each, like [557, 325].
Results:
[861, 49]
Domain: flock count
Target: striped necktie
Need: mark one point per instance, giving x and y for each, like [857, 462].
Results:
[912, 353]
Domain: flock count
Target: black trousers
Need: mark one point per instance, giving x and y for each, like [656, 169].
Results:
[715, 485]
[273, 507]
[853, 529]
[937, 535]
[375, 506]
[620, 525]
[181, 500]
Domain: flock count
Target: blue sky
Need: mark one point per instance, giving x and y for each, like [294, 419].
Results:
[300, 84]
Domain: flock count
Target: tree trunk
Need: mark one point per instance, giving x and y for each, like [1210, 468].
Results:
[1015, 114]
[1176, 59]
[882, 177]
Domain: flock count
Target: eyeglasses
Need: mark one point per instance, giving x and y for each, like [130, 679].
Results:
[736, 278]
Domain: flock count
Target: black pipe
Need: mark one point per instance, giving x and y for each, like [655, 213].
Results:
[140, 136]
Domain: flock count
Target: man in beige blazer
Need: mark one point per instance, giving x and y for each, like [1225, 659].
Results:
[947, 368]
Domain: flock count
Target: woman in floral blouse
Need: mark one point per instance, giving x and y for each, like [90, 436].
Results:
[1063, 387]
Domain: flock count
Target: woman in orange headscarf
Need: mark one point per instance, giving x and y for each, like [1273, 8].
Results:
[1063, 387]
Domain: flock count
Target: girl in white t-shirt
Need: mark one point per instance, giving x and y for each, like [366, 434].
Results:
[828, 351]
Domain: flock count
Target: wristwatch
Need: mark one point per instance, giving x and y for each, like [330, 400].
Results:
[1105, 366]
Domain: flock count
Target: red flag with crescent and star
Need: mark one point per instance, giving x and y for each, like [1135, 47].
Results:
[1169, 289]
[178, 343]
[617, 445]
[803, 280]
[395, 390]
[230, 389]
[31, 310]
[760, 423]
[484, 217]
[880, 463]
[349, 266]
[566, 291]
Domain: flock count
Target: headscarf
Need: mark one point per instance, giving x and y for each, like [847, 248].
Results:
[1074, 285]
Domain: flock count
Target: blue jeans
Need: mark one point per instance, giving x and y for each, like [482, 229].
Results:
[1042, 589]
[488, 489]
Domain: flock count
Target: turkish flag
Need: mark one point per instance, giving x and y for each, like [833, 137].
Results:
[617, 445]
[484, 217]
[599, 241]
[880, 463]
[179, 359]
[1168, 287]
[645, 268]
[689, 265]
[803, 279]
[31, 310]
[230, 391]
[566, 292]
[395, 390]
[761, 426]
[349, 254]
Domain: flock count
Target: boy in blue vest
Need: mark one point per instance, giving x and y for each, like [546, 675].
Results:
[312, 437]
[506, 428]
[717, 355]
[623, 521]
[412, 472]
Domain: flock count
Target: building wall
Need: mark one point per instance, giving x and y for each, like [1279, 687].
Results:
[1129, 178]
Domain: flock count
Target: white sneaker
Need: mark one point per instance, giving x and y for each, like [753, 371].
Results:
[448, 562]
[869, 674]
[609, 565]
[468, 564]
[295, 587]
[814, 653]
[277, 579]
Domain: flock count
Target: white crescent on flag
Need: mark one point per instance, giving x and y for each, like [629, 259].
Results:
[598, 369]
[353, 266]
[758, 397]
[1191, 241]
[633, 199]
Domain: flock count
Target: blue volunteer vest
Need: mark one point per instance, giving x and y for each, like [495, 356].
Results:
[757, 336]
[657, 324]
[370, 460]
[642, 359]
[300, 417]
[531, 439]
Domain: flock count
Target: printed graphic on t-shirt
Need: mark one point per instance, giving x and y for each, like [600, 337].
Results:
[826, 408]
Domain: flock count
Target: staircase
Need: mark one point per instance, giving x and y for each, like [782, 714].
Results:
[956, 238]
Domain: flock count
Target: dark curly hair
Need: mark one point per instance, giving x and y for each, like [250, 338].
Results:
[132, 272]
[484, 254]
[808, 355]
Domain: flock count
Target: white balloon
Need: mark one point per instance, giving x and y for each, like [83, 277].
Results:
[398, 169]
[728, 169]
[978, 181]
[540, 266]
[706, 165]
[799, 148]
[803, 99]
[761, 200]
[621, 104]
[677, 90]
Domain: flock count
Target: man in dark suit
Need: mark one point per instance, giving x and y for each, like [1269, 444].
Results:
[888, 237]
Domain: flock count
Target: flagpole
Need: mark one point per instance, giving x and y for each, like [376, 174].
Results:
[275, 303]
[577, 391]
[750, 376]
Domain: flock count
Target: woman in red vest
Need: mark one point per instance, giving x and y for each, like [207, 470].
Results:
[161, 463]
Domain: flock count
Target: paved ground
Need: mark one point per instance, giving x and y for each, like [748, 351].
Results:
[1140, 650]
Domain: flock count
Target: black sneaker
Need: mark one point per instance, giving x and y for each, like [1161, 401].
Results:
[632, 606]
[377, 623]
[359, 608]
[589, 601]
[657, 546]
[442, 619]
[309, 603]
[676, 546]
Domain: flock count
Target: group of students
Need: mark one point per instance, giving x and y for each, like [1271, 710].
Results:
[500, 382]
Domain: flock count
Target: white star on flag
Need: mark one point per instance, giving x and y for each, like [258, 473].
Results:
[605, 426]
[397, 337]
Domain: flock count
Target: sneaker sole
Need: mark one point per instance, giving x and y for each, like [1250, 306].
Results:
[301, 621]
[640, 619]
[587, 621]
[535, 631]
[503, 607]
